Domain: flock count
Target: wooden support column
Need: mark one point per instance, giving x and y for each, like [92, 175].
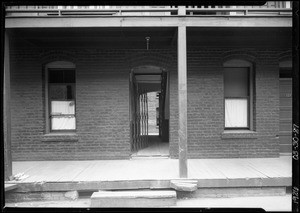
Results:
[6, 111]
[181, 10]
[182, 101]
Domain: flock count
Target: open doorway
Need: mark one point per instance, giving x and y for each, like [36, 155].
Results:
[149, 112]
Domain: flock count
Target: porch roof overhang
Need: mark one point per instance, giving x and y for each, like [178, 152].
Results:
[148, 21]
[160, 37]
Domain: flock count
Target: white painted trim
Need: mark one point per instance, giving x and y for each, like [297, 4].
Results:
[146, 21]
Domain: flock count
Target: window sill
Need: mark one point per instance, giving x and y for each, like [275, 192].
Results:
[60, 137]
[238, 134]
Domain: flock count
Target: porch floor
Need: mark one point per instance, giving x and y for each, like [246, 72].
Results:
[156, 148]
[277, 171]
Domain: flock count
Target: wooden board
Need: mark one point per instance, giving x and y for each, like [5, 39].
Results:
[182, 101]
[9, 186]
[208, 172]
[167, 21]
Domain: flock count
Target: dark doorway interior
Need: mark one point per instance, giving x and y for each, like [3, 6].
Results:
[149, 112]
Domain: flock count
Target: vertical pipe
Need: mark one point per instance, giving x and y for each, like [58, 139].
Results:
[143, 120]
[143, 102]
[142, 130]
[147, 115]
[139, 121]
[134, 118]
[147, 119]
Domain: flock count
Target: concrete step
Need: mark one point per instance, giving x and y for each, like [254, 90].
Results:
[139, 198]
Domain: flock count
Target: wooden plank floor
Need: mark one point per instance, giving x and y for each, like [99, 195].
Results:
[154, 149]
[152, 169]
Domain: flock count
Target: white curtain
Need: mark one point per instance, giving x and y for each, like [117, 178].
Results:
[66, 122]
[236, 113]
[63, 122]
[63, 107]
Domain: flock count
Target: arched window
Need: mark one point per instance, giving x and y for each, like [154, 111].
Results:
[238, 94]
[60, 96]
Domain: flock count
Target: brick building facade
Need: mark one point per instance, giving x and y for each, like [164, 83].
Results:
[102, 104]
[102, 92]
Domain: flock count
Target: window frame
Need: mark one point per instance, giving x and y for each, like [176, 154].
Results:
[58, 65]
[285, 67]
[73, 85]
[236, 63]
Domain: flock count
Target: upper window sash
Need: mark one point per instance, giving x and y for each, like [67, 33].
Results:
[57, 75]
[237, 87]
[61, 88]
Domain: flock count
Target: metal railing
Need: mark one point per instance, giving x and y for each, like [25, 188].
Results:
[149, 11]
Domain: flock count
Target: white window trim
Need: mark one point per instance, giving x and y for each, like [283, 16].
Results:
[243, 63]
[53, 65]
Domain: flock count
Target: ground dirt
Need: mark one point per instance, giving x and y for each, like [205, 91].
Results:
[268, 203]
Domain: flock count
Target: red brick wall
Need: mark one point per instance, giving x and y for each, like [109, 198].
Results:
[102, 104]
[206, 106]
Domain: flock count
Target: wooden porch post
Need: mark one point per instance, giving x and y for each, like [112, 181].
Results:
[181, 10]
[182, 101]
[6, 111]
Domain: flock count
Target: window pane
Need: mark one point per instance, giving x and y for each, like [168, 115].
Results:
[58, 92]
[236, 113]
[285, 73]
[236, 82]
[69, 76]
[61, 76]
[61, 92]
[70, 92]
[56, 76]
[62, 123]
[62, 107]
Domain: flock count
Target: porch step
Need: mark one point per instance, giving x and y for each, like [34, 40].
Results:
[184, 185]
[9, 186]
[146, 198]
